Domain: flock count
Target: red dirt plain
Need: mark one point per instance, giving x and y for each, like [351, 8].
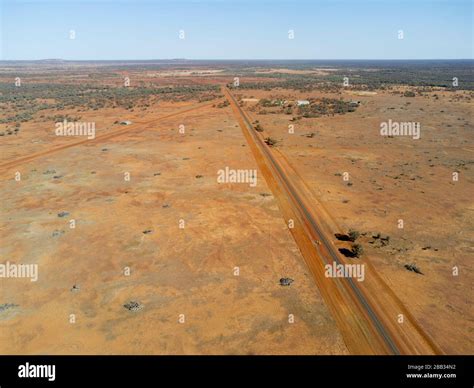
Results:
[191, 271]
[174, 271]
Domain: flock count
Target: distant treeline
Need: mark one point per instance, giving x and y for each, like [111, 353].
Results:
[28, 99]
[405, 73]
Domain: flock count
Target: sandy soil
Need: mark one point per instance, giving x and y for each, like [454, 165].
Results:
[134, 224]
[392, 179]
[174, 271]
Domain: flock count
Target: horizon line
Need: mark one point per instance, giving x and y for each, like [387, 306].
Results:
[234, 59]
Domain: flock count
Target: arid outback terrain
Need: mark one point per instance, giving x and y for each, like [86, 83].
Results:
[141, 249]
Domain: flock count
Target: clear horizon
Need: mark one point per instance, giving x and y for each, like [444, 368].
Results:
[85, 30]
[243, 59]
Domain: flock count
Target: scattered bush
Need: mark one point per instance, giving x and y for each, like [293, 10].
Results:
[357, 250]
[270, 141]
[353, 234]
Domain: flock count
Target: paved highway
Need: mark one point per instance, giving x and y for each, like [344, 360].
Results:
[369, 323]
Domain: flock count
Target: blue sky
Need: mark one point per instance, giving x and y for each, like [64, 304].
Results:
[236, 29]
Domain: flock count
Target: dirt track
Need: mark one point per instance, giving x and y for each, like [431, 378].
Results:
[367, 314]
[137, 126]
[174, 270]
